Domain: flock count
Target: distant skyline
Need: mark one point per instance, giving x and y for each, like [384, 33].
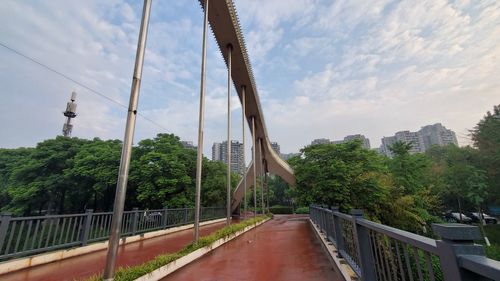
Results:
[324, 69]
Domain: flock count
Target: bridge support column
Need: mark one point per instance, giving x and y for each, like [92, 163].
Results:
[229, 143]
[243, 117]
[261, 161]
[254, 168]
[201, 122]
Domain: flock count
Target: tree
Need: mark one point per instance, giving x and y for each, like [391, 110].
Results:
[9, 160]
[464, 183]
[279, 189]
[94, 171]
[411, 172]
[486, 138]
[39, 182]
[161, 172]
[344, 175]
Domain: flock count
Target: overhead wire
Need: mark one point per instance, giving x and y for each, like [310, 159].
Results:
[53, 70]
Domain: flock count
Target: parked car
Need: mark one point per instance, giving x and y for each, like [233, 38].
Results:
[454, 217]
[487, 218]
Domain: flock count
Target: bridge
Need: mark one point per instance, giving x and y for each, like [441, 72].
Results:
[325, 245]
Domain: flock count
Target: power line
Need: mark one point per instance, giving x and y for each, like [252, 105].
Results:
[77, 82]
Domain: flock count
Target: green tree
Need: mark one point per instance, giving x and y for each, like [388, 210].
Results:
[94, 171]
[161, 172]
[9, 160]
[463, 182]
[410, 171]
[344, 175]
[486, 138]
[39, 183]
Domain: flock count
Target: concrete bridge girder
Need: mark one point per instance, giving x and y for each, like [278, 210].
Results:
[226, 29]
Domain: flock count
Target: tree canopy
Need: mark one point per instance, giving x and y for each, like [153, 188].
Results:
[65, 175]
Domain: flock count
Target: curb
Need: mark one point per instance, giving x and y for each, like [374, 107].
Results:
[345, 270]
[169, 268]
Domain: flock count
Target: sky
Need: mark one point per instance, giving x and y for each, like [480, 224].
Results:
[323, 69]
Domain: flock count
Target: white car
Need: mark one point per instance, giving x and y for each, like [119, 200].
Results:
[455, 217]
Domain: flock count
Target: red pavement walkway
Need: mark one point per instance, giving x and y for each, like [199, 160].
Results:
[130, 254]
[284, 248]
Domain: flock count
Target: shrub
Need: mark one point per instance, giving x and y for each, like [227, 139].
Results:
[134, 272]
[281, 209]
[302, 210]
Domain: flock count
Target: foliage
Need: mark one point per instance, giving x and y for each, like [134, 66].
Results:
[68, 175]
[280, 191]
[462, 181]
[134, 272]
[336, 174]
[39, 181]
[302, 210]
[486, 138]
[493, 234]
[277, 209]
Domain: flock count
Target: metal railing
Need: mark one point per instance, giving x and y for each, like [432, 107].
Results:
[24, 236]
[379, 252]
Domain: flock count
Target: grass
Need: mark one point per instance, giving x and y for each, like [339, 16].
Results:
[492, 231]
[134, 272]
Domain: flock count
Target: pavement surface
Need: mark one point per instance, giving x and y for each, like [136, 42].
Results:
[78, 268]
[284, 248]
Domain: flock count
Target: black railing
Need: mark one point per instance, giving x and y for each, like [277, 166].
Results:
[24, 236]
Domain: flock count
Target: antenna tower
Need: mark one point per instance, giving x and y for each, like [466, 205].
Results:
[70, 113]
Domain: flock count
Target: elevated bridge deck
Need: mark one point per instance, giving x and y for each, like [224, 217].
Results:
[284, 248]
[81, 267]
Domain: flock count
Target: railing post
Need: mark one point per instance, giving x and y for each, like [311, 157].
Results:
[457, 239]
[86, 226]
[164, 221]
[135, 220]
[332, 224]
[338, 231]
[4, 226]
[186, 214]
[362, 236]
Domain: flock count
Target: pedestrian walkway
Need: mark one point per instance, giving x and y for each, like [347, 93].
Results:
[284, 248]
[80, 267]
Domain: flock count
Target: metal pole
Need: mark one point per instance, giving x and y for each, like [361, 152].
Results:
[199, 158]
[254, 168]
[243, 117]
[121, 186]
[261, 179]
[229, 143]
[267, 190]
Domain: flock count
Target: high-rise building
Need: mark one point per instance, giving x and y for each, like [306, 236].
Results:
[188, 144]
[437, 134]
[286, 156]
[216, 156]
[219, 153]
[365, 142]
[412, 138]
[276, 147]
[426, 137]
[320, 141]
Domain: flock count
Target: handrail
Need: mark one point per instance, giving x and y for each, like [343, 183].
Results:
[413, 239]
[380, 252]
[480, 265]
[24, 236]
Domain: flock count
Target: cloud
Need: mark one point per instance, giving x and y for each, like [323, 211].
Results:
[323, 68]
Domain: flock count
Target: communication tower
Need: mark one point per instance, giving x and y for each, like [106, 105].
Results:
[70, 113]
